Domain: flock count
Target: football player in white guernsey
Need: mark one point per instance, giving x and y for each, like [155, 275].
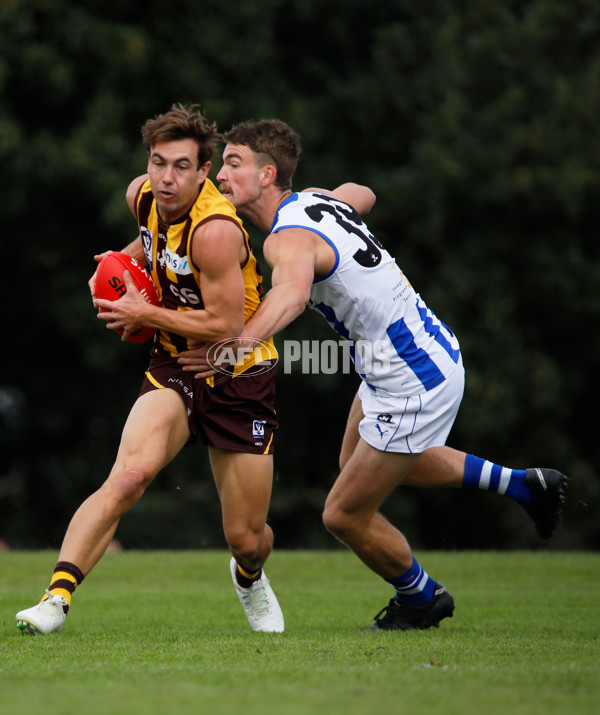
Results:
[324, 256]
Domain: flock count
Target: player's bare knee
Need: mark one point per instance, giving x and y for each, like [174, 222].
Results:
[336, 520]
[128, 486]
[345, 521]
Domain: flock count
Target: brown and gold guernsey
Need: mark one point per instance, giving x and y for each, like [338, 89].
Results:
[167, 248]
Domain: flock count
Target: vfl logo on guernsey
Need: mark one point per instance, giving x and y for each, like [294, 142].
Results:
[147, 244]
[258, 431]
[175, 263]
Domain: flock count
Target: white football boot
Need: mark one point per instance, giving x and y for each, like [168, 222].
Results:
[46, 617]
[260, 603]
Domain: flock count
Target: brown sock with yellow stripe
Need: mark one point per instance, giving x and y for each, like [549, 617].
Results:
[246, 579]
[65, 579]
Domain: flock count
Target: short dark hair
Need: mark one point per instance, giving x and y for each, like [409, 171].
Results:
[182, 123]
[275, 139]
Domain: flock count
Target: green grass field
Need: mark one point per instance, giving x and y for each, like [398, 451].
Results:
[163, 632]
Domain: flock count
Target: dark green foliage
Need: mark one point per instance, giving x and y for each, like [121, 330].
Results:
[476, 125]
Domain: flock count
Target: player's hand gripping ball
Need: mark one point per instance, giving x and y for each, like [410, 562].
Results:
[110, 285]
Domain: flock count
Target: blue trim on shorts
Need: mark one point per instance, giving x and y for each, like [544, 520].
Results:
[416, 414]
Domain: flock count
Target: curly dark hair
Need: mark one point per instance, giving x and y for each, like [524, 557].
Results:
[182, 123]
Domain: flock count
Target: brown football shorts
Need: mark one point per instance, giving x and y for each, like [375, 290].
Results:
[238, 414]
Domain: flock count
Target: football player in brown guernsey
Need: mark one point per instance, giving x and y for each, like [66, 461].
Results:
[198, 253]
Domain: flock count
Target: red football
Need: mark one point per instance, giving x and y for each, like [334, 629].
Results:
[110, 285]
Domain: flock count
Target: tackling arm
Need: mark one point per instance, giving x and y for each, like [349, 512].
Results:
[361, 198]
[291, 254]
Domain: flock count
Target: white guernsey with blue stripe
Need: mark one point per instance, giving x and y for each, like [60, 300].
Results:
[397, 344]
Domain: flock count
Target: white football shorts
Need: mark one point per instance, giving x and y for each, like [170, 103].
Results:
[395, 423]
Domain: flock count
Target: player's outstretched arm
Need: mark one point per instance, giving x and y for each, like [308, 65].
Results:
[360, 197]
[291, 254]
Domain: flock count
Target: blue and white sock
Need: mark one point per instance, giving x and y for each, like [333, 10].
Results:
[482, 474]
[414, 587]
